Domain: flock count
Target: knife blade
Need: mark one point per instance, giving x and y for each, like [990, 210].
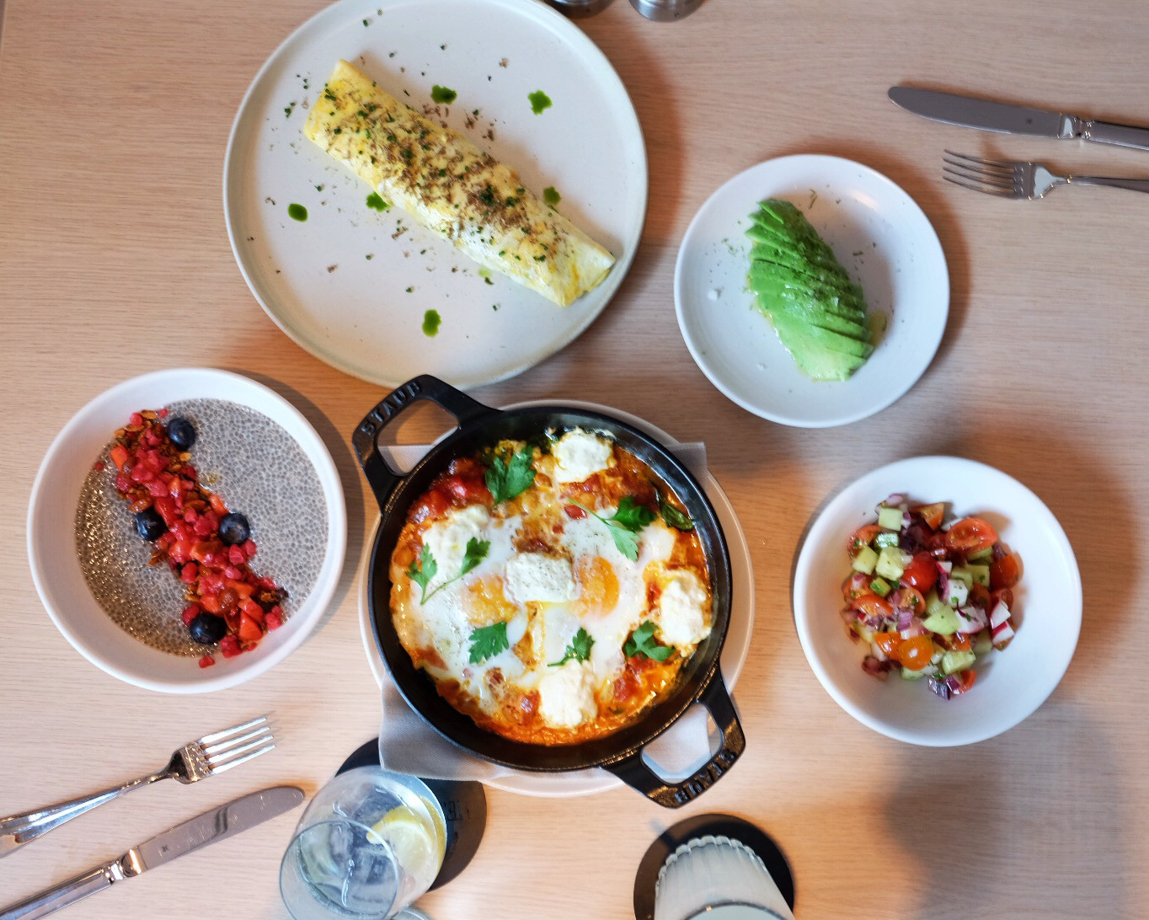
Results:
[968, 112]
[217, 824]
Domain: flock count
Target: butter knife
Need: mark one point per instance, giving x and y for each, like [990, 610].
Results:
[216, 824]
[965, 111]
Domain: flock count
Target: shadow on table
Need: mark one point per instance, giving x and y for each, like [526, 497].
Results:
[1014, 826]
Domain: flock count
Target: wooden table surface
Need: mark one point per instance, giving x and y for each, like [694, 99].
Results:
[114, 121]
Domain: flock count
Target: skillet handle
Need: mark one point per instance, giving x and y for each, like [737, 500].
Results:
[635, 773]
[365, 440]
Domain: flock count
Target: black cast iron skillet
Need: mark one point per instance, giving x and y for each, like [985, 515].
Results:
[480, 427]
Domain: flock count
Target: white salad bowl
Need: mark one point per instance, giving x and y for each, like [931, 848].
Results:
[52, 533]
[1011, 684]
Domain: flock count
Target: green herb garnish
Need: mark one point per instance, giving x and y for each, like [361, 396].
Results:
[628, 520]
[427, 568]
[577, 649]
[488, 641]
[679, 520]
[641, 643]
[375, 201]
[551, 197]
[510, 477]
[443, 94]
[539, 101]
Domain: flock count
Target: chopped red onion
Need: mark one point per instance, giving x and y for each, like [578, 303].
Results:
[871, 665]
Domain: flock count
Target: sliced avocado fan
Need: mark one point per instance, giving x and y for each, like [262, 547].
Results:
[820, 315]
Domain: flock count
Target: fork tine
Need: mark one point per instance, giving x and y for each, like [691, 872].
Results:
[227, 732]
[999, 191]
[230, 760]
[998, 182]
[263, 733]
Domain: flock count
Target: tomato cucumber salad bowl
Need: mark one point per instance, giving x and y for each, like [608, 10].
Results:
[948, 576]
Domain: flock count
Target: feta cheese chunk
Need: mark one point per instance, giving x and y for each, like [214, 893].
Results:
[681, 612]
[579, 455]
[566, 695]
[539, 577]
[447, 540]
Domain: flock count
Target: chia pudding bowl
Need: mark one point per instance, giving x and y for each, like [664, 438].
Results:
[91, 565]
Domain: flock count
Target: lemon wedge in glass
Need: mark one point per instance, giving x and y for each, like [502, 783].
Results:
[417, 840]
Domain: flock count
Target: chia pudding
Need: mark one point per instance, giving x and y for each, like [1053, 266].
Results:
[257, 469]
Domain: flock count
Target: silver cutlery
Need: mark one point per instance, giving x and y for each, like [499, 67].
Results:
[209, 827]
[1018, 179]
[194, 761]
[953, 109]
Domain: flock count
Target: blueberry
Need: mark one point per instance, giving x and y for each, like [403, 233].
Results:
[149, 525]
[234, 529]
[207, 629]
[181, 432]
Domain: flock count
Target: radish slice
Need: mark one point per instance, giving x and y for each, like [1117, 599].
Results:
[1000, 615]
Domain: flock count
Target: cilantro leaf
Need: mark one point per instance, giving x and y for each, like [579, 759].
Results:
[475, 553]
[631, 516]
[510, 477]
[422, 573]
[578, 648]
[488, 641]
[641, 643]
[628, 520]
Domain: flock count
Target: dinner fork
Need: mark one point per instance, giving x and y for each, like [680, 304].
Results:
[1017, 179]
[194, 761]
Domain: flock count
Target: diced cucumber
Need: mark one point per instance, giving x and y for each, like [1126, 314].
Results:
[944, 621]
[983, 644]
[865, 561]
[886, 538]
[980, 574]
[881, 587]
[952, 662]
[890, 518]
[982, 554]
[933, 602]
[890, 563]
[907, 674]
[962, 573]
[958, 593]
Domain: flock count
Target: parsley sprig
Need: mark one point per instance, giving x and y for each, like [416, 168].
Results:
[427, 568]
[509, 477]
[488, 641]
[627, 521]
[641, 643]
[578, 649]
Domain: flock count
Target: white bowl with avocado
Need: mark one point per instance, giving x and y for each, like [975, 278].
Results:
[1011, 683]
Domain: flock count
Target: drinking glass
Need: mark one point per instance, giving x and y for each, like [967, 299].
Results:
[369, 844]
[717, 878]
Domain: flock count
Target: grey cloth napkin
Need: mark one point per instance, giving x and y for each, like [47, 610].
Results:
[407, 744]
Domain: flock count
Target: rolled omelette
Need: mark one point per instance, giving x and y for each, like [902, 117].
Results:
[453, 188]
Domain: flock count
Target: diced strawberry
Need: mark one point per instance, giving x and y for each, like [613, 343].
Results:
[188, 573]
[229, 646]
[157, 488]
[203, 527]
[236, 556]
[190, 613]
[136, 420]
[98, 466]
[162, 413]
[249, 548]
[274, 618]
[206, 662]
[123, 482]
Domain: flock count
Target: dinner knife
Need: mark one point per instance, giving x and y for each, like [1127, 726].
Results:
[216, 824]
[953, 109]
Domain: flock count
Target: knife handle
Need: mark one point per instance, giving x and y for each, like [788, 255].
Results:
[69, 892]
[1104, 132]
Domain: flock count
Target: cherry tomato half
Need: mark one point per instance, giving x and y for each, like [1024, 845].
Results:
[861, 537]
[915, 653]
[888, 642]
[908, 598]
[873, 606]
[931, 514]
[979, 596]
[921, 573]
[967, 678]
[1005, 595]
[855, 586]
[970, 535]
[1004, 573]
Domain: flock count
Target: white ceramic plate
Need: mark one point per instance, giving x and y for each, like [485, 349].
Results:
[352, 287]
[59, 576]
[734, 650]
[882, 239]
[1010, 684]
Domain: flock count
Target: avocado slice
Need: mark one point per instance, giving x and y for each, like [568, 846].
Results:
[818, 312]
